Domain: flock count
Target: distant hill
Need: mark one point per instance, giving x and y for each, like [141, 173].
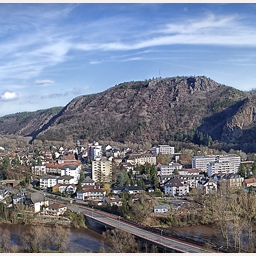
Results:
[27, 123]
[189, 109]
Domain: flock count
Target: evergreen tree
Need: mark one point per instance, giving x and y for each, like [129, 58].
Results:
[122, 179]
[153, 176]
[6, 163]
[242, 171]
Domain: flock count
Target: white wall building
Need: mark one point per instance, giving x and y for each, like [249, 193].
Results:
[95, 151]
[169, 169]
[163, 149]
[72, 170]
[141, 159]
[214, 164]
[48, 181]
[39, 169]
[174, 187]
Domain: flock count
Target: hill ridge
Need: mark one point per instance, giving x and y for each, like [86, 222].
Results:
[189, 109]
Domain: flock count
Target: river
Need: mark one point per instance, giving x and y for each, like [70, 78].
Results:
[81, 239]
[201, 232]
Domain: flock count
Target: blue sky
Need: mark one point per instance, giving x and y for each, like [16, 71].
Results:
[52, 53]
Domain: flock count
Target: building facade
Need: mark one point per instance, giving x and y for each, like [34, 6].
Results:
[215, 164]
[163, 149]
[102, 170]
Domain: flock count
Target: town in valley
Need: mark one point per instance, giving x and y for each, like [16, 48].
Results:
[159, 187]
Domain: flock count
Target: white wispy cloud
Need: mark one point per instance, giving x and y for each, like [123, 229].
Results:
[53, 95]
[44, 82]
[40, 41]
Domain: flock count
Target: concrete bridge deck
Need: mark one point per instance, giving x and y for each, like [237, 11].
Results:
[167, 243]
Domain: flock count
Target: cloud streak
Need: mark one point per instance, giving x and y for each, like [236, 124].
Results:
[50, 45]
[44, 82]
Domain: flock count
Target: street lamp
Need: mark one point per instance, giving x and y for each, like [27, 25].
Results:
[161, 235]
[92, 211]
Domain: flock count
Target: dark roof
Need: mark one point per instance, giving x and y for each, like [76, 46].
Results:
[128, 188]
[49, 177]
[88, 180]
[110, 199]
[65, 177]
[175, 182]
[36, 197]
[69, 166]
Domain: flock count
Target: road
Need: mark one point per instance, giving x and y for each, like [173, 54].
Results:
[159, 239]
[117, 222]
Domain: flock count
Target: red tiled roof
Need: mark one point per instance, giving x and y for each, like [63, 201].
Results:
[250, 180]
[56, 206]
[55, 165]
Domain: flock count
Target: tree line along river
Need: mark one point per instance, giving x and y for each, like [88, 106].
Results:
[86, 240]
[81, 239]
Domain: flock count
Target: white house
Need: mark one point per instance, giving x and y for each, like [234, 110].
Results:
[66, 179]
[207, 186]
[39, 169]
[163, 149]
[48, 181]
[72, 170]
[91, 192]
[170, 168]
[174, 187]
[36, 201]
[56, 209]
[65, 188]
[161, 208]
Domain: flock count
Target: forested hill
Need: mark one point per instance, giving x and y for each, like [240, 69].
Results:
[156, 111]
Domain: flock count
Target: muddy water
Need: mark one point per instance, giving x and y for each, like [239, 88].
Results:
[206, 233]
[81, 240]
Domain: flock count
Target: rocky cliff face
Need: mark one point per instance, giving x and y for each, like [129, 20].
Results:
[243, 119]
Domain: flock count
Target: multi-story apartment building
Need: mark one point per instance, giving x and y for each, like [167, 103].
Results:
[94, 151]
[163, 149]
[141, 159]
[102, 170]
[215, 164]
[39, 169]
[71, 170]
[169, 169]
[201, 162]
[48, 181]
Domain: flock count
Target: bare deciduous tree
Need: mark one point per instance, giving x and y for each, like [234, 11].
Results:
[120, 242]
[60, 237]
[5, 240]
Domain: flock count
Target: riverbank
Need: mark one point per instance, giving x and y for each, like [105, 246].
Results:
[81, 240]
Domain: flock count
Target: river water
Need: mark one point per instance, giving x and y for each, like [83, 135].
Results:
[201, 232]
[81, 239]
[87, 240]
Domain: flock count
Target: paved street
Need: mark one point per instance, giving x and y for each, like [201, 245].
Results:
[164, 242]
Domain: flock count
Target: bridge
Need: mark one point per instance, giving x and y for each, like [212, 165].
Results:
[167, 243]
[10, 182]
